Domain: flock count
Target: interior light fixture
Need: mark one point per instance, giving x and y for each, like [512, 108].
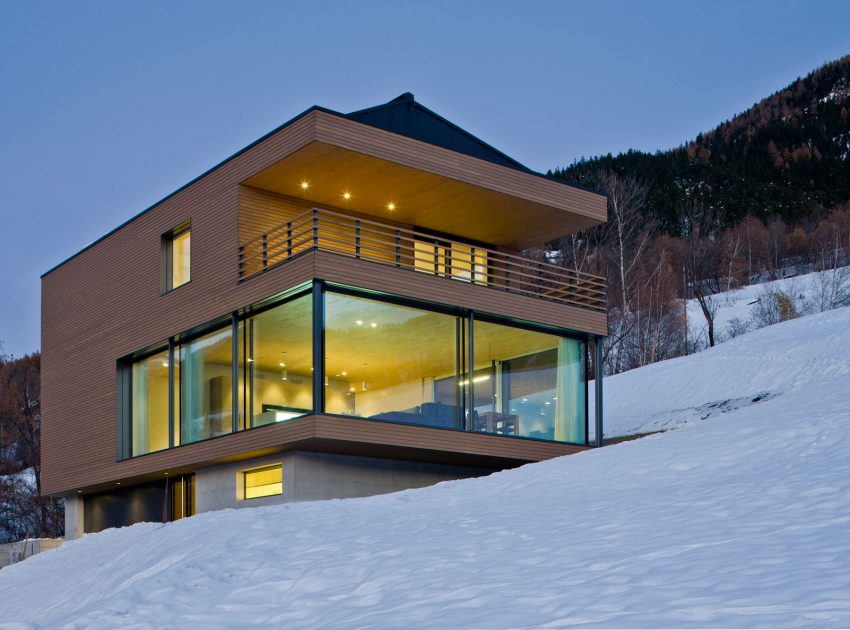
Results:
[346, 195]
[351, 389]
[373, 325]
[547, 403]
[359, 322]
[344, 374]
[476, 379]
[364, 385]
[391, 206]
[305, 185]
[284, 373]
[165, 364]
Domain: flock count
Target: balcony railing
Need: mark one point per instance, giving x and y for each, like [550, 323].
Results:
[376, 242]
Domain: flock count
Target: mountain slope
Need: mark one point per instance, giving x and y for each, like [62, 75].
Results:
[738, 519]
[785, 156]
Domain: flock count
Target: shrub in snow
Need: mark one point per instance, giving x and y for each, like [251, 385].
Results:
[773, 306]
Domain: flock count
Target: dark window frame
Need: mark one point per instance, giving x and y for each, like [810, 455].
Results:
[245, 473]
[167, 257]
[318, 289]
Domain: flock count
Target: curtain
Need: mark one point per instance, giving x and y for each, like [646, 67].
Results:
[569, 412]
[141, 434]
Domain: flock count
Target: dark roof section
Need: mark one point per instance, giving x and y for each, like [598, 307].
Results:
[404, 116]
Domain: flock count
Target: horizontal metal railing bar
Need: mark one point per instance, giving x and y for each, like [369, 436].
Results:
[421, 236]
[401, 247]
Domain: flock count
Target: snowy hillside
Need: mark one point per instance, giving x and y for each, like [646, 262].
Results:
[739, 518]
[736, 310]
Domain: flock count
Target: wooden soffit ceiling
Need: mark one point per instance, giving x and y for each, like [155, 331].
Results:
[408, 181]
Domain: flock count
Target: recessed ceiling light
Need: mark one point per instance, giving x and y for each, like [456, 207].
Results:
[391, 206]
[351, 389]
[359, 322]
[305, 185]
[373, 325]
[345, 373]
[165, 364]
[346, 195]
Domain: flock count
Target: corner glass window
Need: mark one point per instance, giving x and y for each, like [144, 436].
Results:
[176, 251]
[263, 482]
[389, 362]
[277, 363]
[528, 383]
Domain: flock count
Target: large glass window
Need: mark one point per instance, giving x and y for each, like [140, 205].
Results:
[386, 362]
[383, 361]
[279, 362]
[150, 404]
[206, 386]
[528, 383]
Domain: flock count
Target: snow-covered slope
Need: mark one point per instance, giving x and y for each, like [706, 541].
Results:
[742, 519]
[734, 310]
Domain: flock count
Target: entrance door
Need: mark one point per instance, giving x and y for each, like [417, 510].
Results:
[182, 490]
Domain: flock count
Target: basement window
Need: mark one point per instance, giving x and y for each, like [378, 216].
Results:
[263, 482]
[176, 249]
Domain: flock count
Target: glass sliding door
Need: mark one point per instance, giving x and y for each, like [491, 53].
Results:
[279, 363]
[528, 383]
[150, 404]
[206, 386]
[390, 362]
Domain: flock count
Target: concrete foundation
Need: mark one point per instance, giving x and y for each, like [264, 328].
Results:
[74, 514]
[314, 476]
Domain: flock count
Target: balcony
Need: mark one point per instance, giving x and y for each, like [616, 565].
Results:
[384, 244]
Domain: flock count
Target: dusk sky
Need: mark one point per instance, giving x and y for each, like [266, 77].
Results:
[106, 107]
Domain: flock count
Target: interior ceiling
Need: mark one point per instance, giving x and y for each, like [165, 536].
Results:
[404, 344]
[420, 198]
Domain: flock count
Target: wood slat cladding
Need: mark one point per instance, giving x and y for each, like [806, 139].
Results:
[331, 434]
[105, 303]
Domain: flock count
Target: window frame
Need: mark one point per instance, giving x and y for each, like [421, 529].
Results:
[318, 289]
[244, 475]
[167, 257]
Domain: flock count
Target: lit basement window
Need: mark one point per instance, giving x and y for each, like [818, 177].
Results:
[263, 482]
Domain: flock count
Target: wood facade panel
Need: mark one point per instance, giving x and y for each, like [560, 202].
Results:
[332, 434]
[105, 303]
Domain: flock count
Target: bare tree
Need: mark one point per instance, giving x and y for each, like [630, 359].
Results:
[20, 413]
[699, 227]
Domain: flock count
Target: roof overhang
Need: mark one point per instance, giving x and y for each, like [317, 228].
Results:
[428, 186]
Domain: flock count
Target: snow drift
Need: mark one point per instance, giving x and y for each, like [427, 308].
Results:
[741, 517]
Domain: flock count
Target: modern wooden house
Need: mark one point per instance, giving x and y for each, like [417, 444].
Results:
[340, 309]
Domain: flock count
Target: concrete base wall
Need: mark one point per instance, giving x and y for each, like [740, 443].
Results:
[74, 514]
[314, 476]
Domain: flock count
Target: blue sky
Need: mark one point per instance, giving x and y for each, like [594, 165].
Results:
[106, 107]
